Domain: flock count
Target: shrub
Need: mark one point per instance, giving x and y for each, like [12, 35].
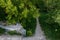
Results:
[21, 11]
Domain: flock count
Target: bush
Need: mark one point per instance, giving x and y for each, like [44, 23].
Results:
[21, 11]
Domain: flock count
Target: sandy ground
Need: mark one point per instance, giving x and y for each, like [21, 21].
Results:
[39, 35]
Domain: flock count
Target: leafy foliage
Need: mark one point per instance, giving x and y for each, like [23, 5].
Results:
[21, 11]
[26, 12]
[16, 11]
[50, 18]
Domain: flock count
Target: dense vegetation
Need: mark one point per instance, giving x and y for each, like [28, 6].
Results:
[50, 18]
[19, 11]
[26, 12]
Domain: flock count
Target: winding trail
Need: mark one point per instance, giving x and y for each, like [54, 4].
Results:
[39, 35]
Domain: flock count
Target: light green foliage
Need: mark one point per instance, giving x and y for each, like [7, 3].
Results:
[21, 11]
[18, 9]
[2, 3]
[56, 17]
[25, 12]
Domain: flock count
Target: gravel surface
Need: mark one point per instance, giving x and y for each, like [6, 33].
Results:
[39, 35]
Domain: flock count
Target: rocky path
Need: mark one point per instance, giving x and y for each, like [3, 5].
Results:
[39, 35]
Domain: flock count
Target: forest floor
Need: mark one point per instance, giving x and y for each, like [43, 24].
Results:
[39, 35]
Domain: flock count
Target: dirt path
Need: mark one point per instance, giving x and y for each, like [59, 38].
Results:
[38, 35]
